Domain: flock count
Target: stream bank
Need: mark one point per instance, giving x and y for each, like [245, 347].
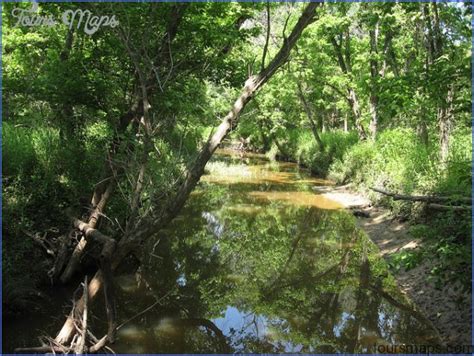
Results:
[448, 308]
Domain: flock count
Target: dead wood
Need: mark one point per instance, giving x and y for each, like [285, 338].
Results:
[100, 344]
[105, 188]
[40, 349]
[109, 297]
[252, 85]
[423, 198]
[80, 346]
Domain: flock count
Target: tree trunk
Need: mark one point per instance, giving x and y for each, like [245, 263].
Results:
[344, 63]
[374, 75]
[422, 132]
[68, 127]
[446, 93]
[309, 114]
[445, 122]
[354, 103]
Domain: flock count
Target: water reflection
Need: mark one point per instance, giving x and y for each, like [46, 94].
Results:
[257, 262]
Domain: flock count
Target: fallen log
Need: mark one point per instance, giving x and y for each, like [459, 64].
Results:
[75, 258]
[423, 198]
[108, 249]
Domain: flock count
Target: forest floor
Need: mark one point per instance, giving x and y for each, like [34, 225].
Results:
[448, 308]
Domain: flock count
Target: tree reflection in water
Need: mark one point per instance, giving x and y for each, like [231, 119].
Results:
[244, 273]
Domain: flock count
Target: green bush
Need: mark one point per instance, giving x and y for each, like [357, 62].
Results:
[302, 148]
[18, 151]
[397, 161]
[42, 176]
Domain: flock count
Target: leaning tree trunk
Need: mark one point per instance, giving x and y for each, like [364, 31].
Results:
[152, 224]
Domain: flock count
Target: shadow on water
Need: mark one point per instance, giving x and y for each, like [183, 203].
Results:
[259, 263]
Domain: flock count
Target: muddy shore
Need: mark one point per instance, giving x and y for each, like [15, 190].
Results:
[448, 308]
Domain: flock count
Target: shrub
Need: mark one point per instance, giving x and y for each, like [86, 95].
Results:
[18, 151]
[302, 148]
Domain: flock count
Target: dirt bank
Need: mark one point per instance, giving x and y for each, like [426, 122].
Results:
[448, 308]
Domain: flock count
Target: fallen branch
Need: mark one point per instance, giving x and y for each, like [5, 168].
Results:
[75, 258]
[98, 345]
[109, 296]
[423, 198]
[107, 252]
[39, 349]
[42, 241]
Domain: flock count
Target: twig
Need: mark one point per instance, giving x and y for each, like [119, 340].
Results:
[144, 311]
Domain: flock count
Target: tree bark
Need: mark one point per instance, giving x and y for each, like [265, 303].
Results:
[309, 114]
[68, 128]
[445, 122]
[354, 104]
[422, 131]
[374, 75]
[345, 65]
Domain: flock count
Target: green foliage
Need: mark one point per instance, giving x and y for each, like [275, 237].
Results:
[301, 147]
[405, 259]
[399, 162]
[18, 152]
[41, 179]
[456, 178]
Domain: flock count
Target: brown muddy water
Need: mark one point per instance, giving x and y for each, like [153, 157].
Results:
[257, 262]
